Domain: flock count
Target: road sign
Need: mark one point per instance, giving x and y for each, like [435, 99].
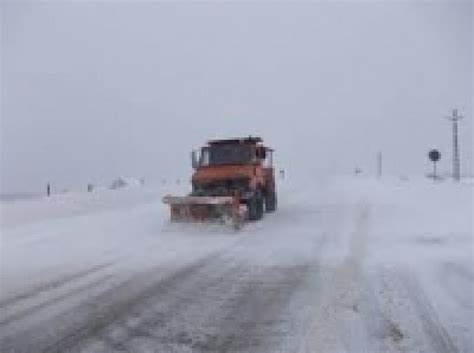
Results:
[434, 155]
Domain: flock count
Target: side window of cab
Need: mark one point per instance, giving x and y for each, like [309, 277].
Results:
[204, 160]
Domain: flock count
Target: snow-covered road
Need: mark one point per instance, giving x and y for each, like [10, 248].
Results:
[342, 266]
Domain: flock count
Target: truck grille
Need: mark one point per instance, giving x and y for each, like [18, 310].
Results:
[221, 187]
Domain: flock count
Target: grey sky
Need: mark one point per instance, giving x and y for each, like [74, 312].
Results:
[93, 90]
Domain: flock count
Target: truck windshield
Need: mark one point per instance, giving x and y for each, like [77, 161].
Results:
[229, 154]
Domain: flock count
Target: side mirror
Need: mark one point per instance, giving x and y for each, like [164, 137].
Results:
[261, 153]
[194, 160]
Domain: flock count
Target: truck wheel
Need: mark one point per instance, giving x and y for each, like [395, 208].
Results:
[255, 207]
[271, 202]
[260, 205]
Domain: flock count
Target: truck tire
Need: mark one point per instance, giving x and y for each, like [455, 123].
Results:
[255, 207]
[271, 202]
[260, 205]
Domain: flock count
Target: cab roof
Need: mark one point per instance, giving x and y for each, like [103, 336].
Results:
[234, 141]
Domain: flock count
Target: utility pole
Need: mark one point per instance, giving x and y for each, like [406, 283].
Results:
[456, 160]
[379, 164]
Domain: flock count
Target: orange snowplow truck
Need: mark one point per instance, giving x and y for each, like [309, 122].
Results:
[233, 181]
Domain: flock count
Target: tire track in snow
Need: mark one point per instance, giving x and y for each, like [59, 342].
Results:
[460, 270]
[194, 309]
[226, 305]
[97, 310]
[156, 324]
[440, 339]
[256, 315]
[458, 283]
[384, 332]
[255, 319]
[88, 319]
[53, 300]
[407, 315]
[118, 303]
[336, 319]
[242, 319]
[53, 285]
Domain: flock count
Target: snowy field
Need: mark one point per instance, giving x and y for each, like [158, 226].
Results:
[342, 266]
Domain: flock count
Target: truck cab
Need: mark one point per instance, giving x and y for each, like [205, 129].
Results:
[241, 167]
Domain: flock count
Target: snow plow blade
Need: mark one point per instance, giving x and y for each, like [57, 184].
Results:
[225, 209]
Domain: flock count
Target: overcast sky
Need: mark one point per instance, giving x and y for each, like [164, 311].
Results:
[92, 90]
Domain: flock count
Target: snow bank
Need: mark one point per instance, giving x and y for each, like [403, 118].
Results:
[125, 182]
